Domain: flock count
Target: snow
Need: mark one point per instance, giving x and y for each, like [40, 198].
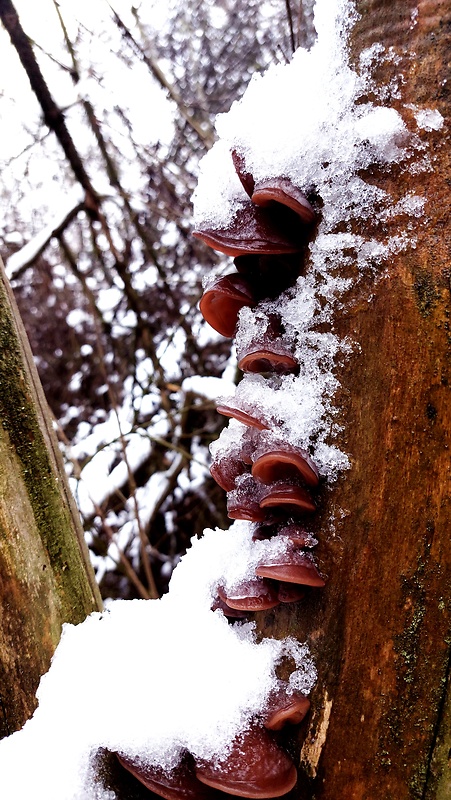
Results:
[137, 649]
[302, 120]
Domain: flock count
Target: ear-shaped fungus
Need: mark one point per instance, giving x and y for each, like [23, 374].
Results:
[255, 767]
[223, 300]
[285, 706]
[255, 595]
[282, 191]
[226, 469]
[283, 493]
[178, 784]
[280, 461]
[254, 419]
[291, 567]
[266, 357]
[254, 230]
[289, 593]
[266, 351]
[244, 175]
[244, 501]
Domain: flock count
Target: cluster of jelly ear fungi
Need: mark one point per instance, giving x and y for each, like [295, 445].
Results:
[268, 481]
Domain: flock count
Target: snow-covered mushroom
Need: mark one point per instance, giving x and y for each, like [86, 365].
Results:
[255, 767]
[273, 461]
[254, 230]
[222, 301]
[254, 418]
[285, 493]
[282, 191]
[285, 706]
[179, 783]
[255, 595]
[290, 566]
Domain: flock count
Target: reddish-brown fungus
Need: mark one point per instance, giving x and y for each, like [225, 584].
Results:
[285, 706]
[223, 300]
[291, 567]
[283, 191]
[289, 593]
[253, 419]
[282, 462]
[244, 501]
[266, 357]
[255, 595]
[227, 469]
[255, 767]
[180, 783]
[253, 230]
[245, 177]
[283, 493]
[297, 535]
[228, 611]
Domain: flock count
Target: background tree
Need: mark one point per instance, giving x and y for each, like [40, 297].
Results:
[108, 287]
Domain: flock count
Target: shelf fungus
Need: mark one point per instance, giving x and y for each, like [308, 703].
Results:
[223, 300]
[270, 483]
[256, 767]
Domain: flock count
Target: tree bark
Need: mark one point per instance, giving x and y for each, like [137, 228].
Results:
[45, 575]
[380, 726]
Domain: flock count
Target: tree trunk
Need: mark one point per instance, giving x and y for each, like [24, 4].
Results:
[45, 575]
[380, 727]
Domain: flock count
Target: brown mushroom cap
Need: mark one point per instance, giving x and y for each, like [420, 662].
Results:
[291, 567]
[283, 191]
[244, 501]
[228, 611]
[221, 303]
[178, 784]
[255, 595]
[279, 463]
[289, 592]
[252, 419]
[253, 230]
[267, 358]
[245, 177]
[255, 767]
[285, 706]
[283, 493]
[226, 470]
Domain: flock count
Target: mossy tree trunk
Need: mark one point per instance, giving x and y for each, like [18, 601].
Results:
[380, 727]
[45, 575]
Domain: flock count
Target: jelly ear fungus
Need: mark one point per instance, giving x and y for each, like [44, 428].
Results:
[268, 481]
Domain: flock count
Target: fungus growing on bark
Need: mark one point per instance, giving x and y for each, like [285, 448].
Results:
[223, 300]
[244, 501]
[285, 706]
[178, 784]
[246, 178]
[254, 230]
[266, 351]
[282, 191]
[226, 469]
[275, 461]
[291, 567]
[255, 767]
[256, 595]
[253, 419]
[283, 493]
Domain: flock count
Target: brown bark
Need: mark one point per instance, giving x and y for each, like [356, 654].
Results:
[45, 575]
[380, 726]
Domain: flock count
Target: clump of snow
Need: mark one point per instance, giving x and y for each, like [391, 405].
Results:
[112, 681]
